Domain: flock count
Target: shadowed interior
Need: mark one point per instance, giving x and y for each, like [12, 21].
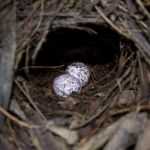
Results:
[67, 45]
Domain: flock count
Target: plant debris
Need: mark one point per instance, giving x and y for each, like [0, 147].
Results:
[112, 110]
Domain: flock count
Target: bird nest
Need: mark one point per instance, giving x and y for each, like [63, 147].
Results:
[111, 112]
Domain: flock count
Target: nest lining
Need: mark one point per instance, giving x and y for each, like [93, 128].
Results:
[63, 46]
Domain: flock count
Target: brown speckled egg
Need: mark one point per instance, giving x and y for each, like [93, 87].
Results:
[65, 84]
[80, 71]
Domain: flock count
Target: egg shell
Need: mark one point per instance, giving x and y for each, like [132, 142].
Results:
[65, 84]
[80, 71]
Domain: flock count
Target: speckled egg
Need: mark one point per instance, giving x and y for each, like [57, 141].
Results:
[65, 84]
[80, 71]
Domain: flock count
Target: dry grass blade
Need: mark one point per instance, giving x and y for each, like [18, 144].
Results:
[46, 30]
[30, 99]
[17, 121]
[111, 23]
[145, 11]
[143, 76]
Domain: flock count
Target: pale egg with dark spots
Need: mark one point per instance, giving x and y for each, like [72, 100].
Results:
[65, 84]
[80, 71]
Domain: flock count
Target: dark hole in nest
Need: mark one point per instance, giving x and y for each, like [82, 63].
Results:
[67, 45]
[99, 50]
[98, 46]
[63, 46]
